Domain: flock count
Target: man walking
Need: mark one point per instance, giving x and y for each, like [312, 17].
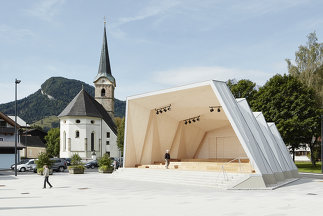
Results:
[167, 159]
[46, 175]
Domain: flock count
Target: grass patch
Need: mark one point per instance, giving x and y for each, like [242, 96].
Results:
[307, 167]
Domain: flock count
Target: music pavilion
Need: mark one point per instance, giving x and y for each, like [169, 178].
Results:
[204, 127]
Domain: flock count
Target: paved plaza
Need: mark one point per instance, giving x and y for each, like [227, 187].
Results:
[105, 194]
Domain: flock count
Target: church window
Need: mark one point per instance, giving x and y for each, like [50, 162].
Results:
[77, 134]
[78, 121]
[92, 141]
[92, 121]
[102, 92]
[1, 139]
[108, 134]
[108, 142]
[64, 141]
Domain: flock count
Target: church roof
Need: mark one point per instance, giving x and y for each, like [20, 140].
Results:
[104, 67]
[85, 105]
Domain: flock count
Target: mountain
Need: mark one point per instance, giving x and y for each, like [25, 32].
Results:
[53, 96]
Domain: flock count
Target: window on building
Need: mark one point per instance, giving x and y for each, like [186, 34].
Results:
[108, 134]
[77, 134]
[108, 142]
[78, 121]
[92, 121]
[102, 92]
[1, 139]
[2, 123]
[92, 141]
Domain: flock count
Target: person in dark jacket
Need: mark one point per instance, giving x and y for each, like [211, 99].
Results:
[167, 159]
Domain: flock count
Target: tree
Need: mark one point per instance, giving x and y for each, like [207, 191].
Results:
[120, 139]
[309, 64]
[243, 89]
[293, 107]
[52, 142]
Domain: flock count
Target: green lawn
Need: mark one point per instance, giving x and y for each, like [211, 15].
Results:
[307, 167]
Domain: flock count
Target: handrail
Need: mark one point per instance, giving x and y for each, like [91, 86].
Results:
[224, 172]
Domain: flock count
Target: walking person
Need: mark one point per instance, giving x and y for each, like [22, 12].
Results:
[167, 159]
[46, 175]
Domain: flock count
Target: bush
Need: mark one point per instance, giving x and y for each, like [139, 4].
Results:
[104, 161]
[76, 160]
[105, 168]
[43, 159]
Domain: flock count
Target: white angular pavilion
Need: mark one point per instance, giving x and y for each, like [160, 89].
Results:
[205, 128]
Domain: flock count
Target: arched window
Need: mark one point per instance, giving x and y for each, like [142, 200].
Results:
[102, 92]
[92, 141]
[64, 141]
[77, 134]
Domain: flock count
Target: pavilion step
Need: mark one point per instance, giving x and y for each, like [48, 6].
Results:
[196, 178]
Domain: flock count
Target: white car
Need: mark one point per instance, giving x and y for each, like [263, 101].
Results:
[26, 166]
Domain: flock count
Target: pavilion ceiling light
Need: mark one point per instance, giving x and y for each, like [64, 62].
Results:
[215, 107]
[163, 109]
[191, 120]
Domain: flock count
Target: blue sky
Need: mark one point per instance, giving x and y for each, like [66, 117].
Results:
[153, 44]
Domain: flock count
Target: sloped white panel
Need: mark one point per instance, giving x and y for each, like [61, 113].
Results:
[271, 140]
[240, 126]
[282, 145]
[259, 136]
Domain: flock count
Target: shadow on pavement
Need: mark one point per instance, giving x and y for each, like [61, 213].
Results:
[39, 207]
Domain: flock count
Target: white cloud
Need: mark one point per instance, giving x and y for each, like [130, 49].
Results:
[182, 76]
[152, 10]
[13, 34]
[45, 9]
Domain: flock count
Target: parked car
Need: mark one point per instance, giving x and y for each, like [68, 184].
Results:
[68, 161]
[25, 166]
[59, 164]
[23, 161]
[91, 164]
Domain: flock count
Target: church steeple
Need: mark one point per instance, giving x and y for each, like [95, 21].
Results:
[104, 66]
[104, 82]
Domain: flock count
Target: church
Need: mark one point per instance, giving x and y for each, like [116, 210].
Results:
[86, 124]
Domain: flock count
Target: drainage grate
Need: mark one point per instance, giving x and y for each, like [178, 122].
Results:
[25, 193]
[311, 194]
[2, 185]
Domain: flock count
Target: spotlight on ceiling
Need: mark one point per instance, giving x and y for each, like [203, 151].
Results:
[163, 109]
[185, 122]
[219, 109]
[189, 121]
[193, 120]
[198, 119]
[157, 112]
[169, 108]
[211, 110]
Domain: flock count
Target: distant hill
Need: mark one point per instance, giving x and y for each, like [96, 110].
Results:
[53, 96]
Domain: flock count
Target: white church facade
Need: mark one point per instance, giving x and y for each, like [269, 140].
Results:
[86, 124]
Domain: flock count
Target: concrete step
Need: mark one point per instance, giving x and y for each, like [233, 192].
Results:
[196, 178]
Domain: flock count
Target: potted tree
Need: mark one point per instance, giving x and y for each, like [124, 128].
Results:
[76, 165]
[105, 164]
[43, 159]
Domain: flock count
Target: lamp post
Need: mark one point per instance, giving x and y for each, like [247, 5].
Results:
[16, 83]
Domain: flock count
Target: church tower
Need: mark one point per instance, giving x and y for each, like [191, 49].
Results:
[104, 82]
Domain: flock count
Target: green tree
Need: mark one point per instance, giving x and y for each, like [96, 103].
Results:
[52, 142]
[293, 107]
[309, 64]
[120, 139]
[243, 89]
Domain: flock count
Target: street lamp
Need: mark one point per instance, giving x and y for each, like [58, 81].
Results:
[16, 83]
